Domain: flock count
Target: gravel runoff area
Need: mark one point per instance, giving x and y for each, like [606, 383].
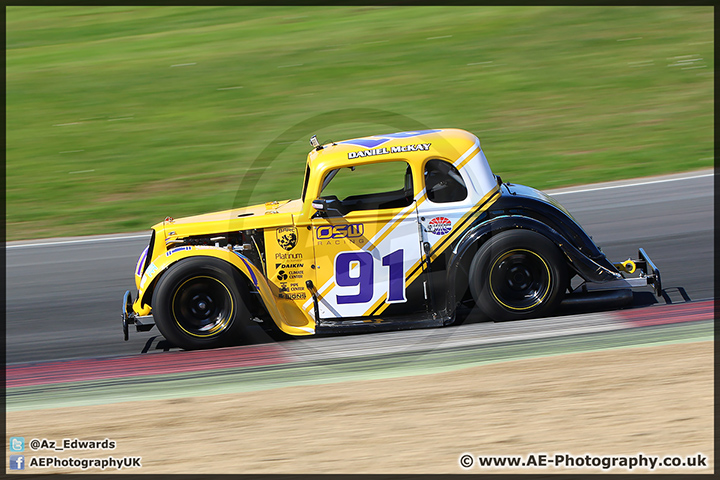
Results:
[654, 400]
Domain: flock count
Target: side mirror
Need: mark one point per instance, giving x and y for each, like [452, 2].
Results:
[328, 206]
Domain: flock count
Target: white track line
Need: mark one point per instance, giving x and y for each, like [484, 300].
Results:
[84, 240]
[550, 192]
[637, 184]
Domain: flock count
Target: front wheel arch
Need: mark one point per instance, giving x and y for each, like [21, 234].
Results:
[201, 302]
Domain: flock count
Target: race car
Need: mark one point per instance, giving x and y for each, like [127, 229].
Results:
[390, 231]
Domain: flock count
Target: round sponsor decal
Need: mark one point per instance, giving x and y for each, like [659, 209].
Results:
[440, 225]
[287, 237]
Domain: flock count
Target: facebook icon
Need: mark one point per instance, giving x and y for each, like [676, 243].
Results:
[17, 462]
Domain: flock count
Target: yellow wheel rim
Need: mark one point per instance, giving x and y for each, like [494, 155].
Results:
[520, 279]
[202, 306]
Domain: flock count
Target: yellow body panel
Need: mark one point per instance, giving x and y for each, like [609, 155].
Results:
[259, 216]
[299, 246]
[289, 263]
[294, 322]
[446, 144]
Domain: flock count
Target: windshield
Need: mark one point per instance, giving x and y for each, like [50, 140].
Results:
[329, 178]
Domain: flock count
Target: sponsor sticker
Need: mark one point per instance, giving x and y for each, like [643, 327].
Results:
[288, 265]
[352, 230]
[293, 295]
[440, 225]
[151, 270]
[176, 250]
[288, 256]
[287, 237]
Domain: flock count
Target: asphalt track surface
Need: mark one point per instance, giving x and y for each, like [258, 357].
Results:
[64, 295]
[180, 374]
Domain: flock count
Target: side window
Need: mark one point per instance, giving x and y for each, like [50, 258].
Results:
[370, 187]
[443, 182]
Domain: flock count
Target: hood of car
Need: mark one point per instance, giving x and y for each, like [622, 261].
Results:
[264, 215]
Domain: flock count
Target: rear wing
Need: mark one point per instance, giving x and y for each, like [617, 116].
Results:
[646, 270]
[649, 271]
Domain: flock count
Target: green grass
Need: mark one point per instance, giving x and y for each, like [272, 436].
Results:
[104, 134]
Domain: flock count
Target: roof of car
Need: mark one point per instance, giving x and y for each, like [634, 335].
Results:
[412, 146]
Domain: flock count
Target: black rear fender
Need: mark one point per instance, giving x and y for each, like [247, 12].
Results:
[593, 270]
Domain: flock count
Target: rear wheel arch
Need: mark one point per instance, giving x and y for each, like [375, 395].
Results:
[518, 273]
[458, 268]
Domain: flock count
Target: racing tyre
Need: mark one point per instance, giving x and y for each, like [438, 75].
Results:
[518, 274]
[201, 303]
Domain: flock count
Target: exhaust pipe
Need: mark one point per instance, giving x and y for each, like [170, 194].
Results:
[598, 299]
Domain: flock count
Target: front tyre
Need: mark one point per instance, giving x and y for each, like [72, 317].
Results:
[518, 274]
[201, 303]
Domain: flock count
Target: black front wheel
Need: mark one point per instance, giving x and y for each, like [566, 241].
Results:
[199, 303]
[518, 274]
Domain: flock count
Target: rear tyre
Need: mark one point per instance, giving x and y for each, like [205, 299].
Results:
[201, 303]
[518, 274]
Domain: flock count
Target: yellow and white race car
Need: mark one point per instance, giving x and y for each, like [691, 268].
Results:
[390, 232]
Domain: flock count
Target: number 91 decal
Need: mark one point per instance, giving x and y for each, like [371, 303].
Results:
[346, 263]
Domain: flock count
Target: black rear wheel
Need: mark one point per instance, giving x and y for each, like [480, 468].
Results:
[518, 274]
[201, 303]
